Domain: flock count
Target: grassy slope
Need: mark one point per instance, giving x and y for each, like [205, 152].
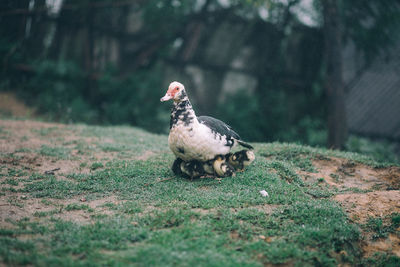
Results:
[164, 220]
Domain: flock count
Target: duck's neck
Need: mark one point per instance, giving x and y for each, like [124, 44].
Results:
[182, 113]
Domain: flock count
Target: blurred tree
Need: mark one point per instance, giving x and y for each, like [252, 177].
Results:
[292, 81]
[372, 26]
[337, 123]
[12, 29]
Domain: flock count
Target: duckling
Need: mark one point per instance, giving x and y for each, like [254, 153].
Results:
[193, 168]
[223, 168]
[241, 159]
[209, 168]
[176, 166]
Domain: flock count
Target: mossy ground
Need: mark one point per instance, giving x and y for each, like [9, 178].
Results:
[82, 195]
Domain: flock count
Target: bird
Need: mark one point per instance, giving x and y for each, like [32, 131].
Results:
[193, 168]
[241, 159]
[180, 167]
[176, 166]
[222, 168]
[197, 138]
[209, 168]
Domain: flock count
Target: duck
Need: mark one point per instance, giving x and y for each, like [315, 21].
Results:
[176, 166]
[241, 159]
[197, 138]
[193, 168]
[204, 169]
[221, 167]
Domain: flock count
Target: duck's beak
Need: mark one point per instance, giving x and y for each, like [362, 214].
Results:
[166, 97]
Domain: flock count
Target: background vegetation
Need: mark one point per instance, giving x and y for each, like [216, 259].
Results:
[63, 62]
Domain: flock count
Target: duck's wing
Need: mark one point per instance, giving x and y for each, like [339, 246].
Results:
[223, 129]
[218, 126]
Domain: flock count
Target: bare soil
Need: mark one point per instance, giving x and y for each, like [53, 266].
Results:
[367, 192]
[20, 144]
[11, 106]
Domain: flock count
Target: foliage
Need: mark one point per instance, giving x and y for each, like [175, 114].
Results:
[380, 150]
[249, 129]
[57, 88]
[270, 120]
[62, 91]
[372, 25]
[60, 84]
[133, 100]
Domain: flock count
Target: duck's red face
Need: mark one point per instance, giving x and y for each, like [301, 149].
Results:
[174, 91]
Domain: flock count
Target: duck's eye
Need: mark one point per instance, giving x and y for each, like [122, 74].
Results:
[177, 88]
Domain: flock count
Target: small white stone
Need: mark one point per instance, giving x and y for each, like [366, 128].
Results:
[264, 193]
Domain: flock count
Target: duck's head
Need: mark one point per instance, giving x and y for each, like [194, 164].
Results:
[250, 156]
[219, 158]
[176, 91]
[245, 156]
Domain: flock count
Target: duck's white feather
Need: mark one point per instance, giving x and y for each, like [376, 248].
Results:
[196, 141]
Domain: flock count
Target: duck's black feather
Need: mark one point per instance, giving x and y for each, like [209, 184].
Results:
[218, 126]
[222, 129]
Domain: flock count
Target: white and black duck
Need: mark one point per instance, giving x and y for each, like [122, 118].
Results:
[196, 138]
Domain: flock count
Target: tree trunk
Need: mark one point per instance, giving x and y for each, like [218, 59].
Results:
[337, 122]
[39, 28]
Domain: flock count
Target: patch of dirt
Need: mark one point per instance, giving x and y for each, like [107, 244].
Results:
[22, 141]
[18, 206]
[10, 105]
[20, 151]
[391, 244]
[147, 154]
[376, 204]
[41, 164]
[234, 234]
[203, 211]
[267, 208]
[20, 135]
[82, 216]
[361, 206]
[381, 197]
[344, 174]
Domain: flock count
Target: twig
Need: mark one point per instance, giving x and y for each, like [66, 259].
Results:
[51, 172]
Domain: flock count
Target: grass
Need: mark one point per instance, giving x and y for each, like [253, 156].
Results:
[96, 165]
[158, 219]
[57, 152]
[75, 206]
[380, 228]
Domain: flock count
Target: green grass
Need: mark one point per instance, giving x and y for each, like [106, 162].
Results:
[46, 213]
[159, 219]
[45, 131]
[382, 259]
[76, 206]
[57, 152]
[96, 165]
[380, 228]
